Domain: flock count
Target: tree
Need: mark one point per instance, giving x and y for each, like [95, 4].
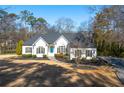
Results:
[64, 25]
[15, 27]
[19, 47]
[85, 26]
[31, 21]
[108, 31]
[40, 25]
[24, 16]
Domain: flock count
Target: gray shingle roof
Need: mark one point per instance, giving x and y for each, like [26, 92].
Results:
[51, 37]
[31, 40]
[69, 36]
[48, 37]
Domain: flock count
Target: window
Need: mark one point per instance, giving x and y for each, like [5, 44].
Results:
[77, 53]
[89, 53]
[61, 49]
[28, 50]
[83, 51]
[40, 50]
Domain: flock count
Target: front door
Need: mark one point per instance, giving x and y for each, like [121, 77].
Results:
[51, 51]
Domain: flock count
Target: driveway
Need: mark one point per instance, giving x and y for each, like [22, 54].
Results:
[15, 72]
[118, 64]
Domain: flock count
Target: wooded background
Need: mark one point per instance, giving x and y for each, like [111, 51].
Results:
[107, 27]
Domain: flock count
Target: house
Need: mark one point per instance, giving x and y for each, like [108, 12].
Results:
[74, 44]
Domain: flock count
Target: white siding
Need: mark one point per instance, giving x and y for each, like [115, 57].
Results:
[60, 42]
[83, 55]
[23, 49]
[39, 42]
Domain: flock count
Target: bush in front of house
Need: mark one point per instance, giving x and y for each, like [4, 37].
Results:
[83, 59]
[45, 56]
[66, 54]
[66, 57]
[60, 55]
[93, 60]
[33, 56]
[19, 47]
[27, 55]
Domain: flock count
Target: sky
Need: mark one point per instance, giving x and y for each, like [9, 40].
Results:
[51, 13]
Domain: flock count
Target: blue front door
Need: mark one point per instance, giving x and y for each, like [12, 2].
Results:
[51, 49]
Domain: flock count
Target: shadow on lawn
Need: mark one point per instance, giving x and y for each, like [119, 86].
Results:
[41, 75]
[30, 58]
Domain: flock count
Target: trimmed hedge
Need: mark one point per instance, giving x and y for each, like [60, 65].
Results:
[45, 56]
[59, 55]
[28, 56]
[33, 56]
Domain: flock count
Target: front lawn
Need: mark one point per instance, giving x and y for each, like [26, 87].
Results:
[20, 73]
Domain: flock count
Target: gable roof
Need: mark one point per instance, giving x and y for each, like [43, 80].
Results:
[69, 36]
[51, 37]
[30, 41]
[48, 37]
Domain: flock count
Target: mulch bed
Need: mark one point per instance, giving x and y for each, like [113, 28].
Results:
[96, 63]
[86, 62]
[63, 60]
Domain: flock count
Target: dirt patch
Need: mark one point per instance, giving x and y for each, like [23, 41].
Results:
[47, 73]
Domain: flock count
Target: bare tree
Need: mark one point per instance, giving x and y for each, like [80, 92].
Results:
[64, 25]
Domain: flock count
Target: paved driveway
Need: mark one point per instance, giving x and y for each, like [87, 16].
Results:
[118, 64]
[39, 73]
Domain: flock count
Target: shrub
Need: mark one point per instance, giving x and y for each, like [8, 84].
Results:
[27, 55]
[19, 47]
[33, 56]
[66, 54]
[94, 60]
[83, 59]
[122, 55]
[45, 56]
[66, 57]
[59, 55]
[73, 60]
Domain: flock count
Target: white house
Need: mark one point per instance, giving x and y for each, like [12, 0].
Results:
[54, 43]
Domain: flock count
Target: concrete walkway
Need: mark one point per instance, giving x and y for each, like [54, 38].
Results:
[52, 58]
